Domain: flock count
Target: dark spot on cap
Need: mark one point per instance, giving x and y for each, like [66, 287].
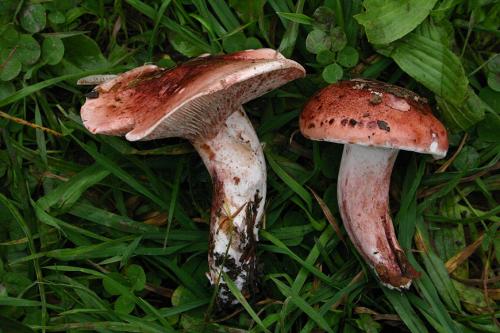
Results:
[331, 121]
[352, 122]
[311, 125]
[344, 121]
[92, 94]
[383, 125]
[236, 180]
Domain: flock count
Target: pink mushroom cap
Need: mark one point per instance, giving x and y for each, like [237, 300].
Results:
[192, 100]
[373, 113]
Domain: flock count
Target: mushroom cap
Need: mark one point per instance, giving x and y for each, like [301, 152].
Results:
[192, 100]
[373, 113]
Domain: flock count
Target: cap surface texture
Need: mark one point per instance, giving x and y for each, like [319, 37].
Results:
[373, 113]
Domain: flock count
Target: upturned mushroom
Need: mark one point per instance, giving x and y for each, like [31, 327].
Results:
[373, 120]
[201, 100]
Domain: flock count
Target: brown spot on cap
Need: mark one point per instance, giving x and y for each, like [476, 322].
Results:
[383, 125]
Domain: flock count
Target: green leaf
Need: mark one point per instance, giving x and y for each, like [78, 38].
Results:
[252, 43]
[9, 325]
[6, 89]
[324, 18]
[338, 38]
[234, 42]
[463, 116]
[28, 90]
[15, 282]
[303, 305]
[348, 57]
[52, 50]
[10, 66]
[84, 53]
[64, 196]
[494, 81]
[332, 73]
[124, 304]
[290, 182]
[494, 63]
[137, 277]
[14, 301]
[325, 57]
[434, 65]
[130, 250]
[491, 98]
[487, 129]
[468, 158]
[182, 35]
[7, 10]
[113, 283]
[33, 18]
[56, 17]
[367, 324]
[296, 17]
[404, 309]
[180, 44]
[317, 41]
[387, 21]
[27, 50]
[289, 39]
[473, 298]
[8, 36]
[237, 294]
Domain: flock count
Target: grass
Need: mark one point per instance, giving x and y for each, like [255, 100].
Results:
[98, 234]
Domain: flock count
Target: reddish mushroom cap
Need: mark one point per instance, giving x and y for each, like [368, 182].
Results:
[190, 100]
[373, 113]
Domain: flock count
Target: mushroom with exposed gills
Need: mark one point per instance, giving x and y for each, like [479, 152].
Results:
[373, 120]
[201, 100]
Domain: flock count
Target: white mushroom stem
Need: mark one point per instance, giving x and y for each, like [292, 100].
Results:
[236, 163]
[363, 196]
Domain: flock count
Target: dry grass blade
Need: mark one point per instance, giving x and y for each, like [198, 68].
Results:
[445, 165]
[328, 214]
[376, 315]
[460, 257]
[27, 123]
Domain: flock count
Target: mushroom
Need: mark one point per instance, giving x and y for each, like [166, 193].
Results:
[201, 100]
[373, 120]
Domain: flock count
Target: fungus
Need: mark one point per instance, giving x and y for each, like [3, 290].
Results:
[201, 100]
[398, 120]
